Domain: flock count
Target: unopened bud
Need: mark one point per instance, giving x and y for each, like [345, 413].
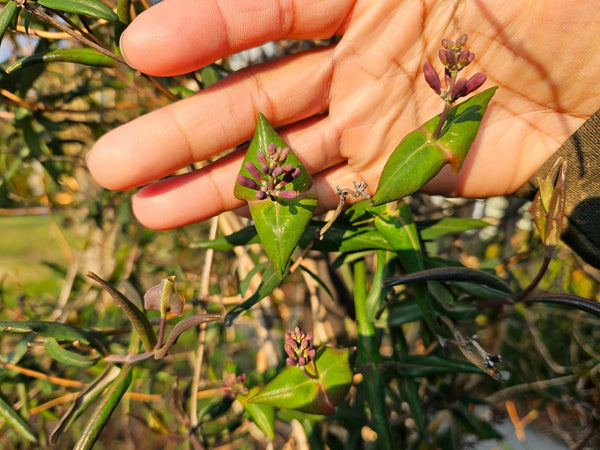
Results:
[290, 194]
[432, 78]
[475, 82]
[460, 88]
[253, 171]
[247, 182]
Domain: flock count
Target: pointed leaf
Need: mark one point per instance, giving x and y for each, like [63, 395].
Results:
[270, 281]
[419, 157]
[92, 8]
[263, 136]
[263, 416]
[56, 330]
[454, 274]
[280, 224]
[85, 56]
[16, 422]
[8, 13]
[293, 389]
[432, 229]
[64, 356]
[84, 400]
[102, 413]
[134, 314]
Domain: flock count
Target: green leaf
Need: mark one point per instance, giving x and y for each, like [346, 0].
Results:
[84, 400]
[280, 222]
[413, 366]
[92, 8]
[419, 157]
[8, 13]
[64, 356]
[280, 225]
[293, 389]
[270, 281]
[85, 56]
[245, 283]
[263, 416]
[263, 136]
[56, 330]
[134, 314]
[454, 274]
[102, 413]
[245, 236]
[431, 229]
[396, 224]
[16, 422]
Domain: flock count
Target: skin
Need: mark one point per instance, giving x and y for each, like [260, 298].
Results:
[343, 109]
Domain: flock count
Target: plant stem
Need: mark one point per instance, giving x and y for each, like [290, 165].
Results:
[368, 354]
[538, 276]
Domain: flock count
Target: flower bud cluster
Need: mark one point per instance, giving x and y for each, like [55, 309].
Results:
[234, 384]
[455, 58]
[273, 175]
[299, 348]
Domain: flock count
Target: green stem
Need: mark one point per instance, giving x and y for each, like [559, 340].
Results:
[369, 357]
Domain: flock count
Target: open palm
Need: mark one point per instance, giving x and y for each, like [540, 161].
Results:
[344, 108]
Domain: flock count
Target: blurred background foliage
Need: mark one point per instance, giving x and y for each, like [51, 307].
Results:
[56, 224]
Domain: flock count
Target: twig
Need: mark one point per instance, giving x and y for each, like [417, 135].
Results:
[204, 291]
[55, 23]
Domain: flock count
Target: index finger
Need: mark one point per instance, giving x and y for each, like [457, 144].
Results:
[179, 36]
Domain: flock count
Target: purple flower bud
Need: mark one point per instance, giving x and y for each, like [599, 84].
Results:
[301, 361]
[451, 57]
[290, 194]
[460, 89]
[447, 43]
[295, 172]
[265, 169]
[287, 168]
[462, 41]
[277, 171]
[261, 157]
[443, 57]
[284, 154]
[247, 182]
[465, 58]
[271, 148]
[289, 350]
[432, 78]
[290, 361]
[261, 195]
[475, 82]
[253, 171]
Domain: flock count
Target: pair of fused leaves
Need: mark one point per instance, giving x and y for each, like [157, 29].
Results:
[293, 389]
[280, 222]
[419, 157]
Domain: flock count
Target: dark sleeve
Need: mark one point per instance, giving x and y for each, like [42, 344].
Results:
[582, 153]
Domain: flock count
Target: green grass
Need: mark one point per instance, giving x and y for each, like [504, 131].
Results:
[26, 244]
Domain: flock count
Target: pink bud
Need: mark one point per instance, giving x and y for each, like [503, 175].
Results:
[261, 157]
[465, 58]
[277, 171]
[271, 148]
[462, 41]
[460, 89]
[247, 182]
[447, 43]
[475, 82]
[432, 78]
[261, 195]
[253, 170]
[290, 194]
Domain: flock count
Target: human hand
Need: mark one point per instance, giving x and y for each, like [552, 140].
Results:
[343, 109]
